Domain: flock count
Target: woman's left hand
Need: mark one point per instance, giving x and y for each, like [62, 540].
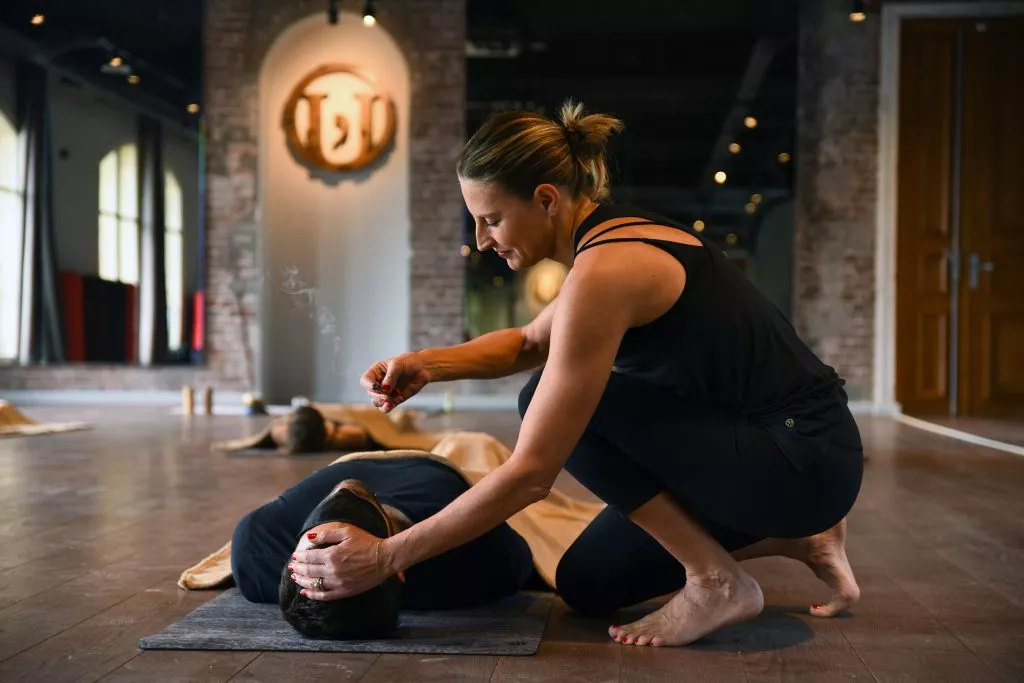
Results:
[353, 564]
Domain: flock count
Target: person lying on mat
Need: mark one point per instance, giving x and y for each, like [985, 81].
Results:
[305, 430]
[379, 496]
[671, 388]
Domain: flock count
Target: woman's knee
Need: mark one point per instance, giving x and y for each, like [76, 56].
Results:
[583, 587]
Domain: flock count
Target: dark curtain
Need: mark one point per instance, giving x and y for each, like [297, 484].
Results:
[152, 278]
[41, 336]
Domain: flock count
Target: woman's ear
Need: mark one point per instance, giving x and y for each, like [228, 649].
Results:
[547, 197]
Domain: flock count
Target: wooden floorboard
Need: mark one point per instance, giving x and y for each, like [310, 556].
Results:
[96, 526]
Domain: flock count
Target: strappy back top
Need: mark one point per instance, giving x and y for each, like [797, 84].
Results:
[723, 345]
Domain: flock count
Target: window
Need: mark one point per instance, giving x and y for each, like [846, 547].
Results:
[174, 266]
[11, 206]
[119, 215]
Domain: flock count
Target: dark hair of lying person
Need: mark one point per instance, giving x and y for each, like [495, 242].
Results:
[373, 614]
[307, 431]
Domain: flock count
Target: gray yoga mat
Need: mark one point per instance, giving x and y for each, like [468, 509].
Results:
[230, 622]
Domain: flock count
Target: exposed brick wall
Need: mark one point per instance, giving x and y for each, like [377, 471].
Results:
[238, 35]
[837, 130]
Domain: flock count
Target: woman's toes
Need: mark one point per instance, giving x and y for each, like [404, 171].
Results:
[644, 640]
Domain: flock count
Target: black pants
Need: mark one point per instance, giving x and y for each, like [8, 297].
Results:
[486, 569]
[724, 471]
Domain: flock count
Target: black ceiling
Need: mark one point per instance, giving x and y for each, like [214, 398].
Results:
[670, 69]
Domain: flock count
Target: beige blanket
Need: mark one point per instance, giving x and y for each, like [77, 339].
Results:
[549, 527]
[14, 423]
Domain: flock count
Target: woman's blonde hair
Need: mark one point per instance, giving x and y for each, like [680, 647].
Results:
[521, 150]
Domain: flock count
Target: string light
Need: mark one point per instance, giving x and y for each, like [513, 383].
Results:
[134, 79]
[698, 225]
[464, 250]
[751, 207]
[731, 238]
[750, 122]
[734, 147]
[193, 108]
[38, 19]
[498, 281]
[756, 198]
[857, 13]
[784, 158]
[720, 177]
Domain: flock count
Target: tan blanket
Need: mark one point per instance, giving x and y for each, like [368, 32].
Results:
[14, 423]
[549, 527]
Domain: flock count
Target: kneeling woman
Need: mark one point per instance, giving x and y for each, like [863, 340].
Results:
[671, 388]
[380, 496]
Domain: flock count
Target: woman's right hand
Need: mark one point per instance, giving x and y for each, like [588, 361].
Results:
[395, 380]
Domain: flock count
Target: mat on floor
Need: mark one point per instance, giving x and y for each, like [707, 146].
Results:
[14, 423]
[230, 622]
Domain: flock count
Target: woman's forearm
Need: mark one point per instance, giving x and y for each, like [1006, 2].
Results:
[495, 354]
[496, 497]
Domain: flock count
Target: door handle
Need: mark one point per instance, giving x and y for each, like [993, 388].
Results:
[974, 267]
[953, 259]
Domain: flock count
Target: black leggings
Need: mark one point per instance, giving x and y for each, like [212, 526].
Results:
[724, 471]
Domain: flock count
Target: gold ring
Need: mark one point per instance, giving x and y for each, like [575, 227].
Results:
[318, 585]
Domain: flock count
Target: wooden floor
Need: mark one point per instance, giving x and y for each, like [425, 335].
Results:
[1007, 430]
[96, 526]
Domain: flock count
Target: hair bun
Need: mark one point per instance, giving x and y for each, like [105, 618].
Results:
[587, 134]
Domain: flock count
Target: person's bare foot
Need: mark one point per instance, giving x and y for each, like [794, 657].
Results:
[706, 603]
[825, 554]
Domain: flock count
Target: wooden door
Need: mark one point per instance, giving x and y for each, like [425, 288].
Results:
[991, 356]
[923, 219]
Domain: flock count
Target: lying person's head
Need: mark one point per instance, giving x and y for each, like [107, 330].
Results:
[305, 431]
[373, 614]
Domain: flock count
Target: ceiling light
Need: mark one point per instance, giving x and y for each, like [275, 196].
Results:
[734, 147]
[698, 225]
[134, 79]
[720, 177]
[116, 61]
[38, 20]
[751, 207]
[784, 158]
[368, 16]
[756, 198]
[750, 122]
[193, 108]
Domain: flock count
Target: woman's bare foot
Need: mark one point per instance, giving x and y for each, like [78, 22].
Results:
[825, 554]
[707, 602]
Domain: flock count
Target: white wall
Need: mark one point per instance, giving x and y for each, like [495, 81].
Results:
[348, 234]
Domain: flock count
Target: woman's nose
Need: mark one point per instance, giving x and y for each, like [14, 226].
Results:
[483, 241]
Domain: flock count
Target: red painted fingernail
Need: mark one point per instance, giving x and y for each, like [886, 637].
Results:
[294, 558]
[291, 568]
[303, 593]
[311, 537]
[386, 387]
[816, 606]
[293, 577]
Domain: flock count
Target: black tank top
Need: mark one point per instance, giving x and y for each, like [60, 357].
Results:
[724, 346]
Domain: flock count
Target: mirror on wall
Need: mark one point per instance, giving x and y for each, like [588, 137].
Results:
[101, 169]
